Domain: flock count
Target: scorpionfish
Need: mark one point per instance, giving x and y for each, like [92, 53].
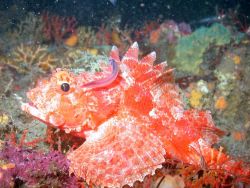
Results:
[132, 118]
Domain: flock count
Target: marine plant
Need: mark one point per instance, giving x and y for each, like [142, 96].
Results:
[190, 49]
[13, 12]
[25, 58]
[80, 61]
[170, 31]
[29, 168]
[57, 28]
[29, 29]
[87, 37]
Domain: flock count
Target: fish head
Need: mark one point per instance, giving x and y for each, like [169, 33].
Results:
[61, 102]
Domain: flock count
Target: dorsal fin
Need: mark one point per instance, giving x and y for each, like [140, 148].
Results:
[130, 59]
[165, 77]
[132, 53]
[149, 59]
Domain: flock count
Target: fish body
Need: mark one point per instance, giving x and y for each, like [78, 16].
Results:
[113, 2]
[130, 124]
[209, 20]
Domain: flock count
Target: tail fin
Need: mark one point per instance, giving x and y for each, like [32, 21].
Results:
[217, 160]
[199, 124]
[200, 133]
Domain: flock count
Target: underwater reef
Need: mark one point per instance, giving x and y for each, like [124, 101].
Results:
[190, 49]
[21, 166]
[204, 75]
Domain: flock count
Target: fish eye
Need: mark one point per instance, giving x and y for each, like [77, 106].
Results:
[65, 87]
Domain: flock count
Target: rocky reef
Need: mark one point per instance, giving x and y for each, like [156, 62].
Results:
[211, 66]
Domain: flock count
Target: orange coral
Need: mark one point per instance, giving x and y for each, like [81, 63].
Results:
[236, 59]
[72, 40]
[55, 28]
[238, 135]
[155, 36]
[220, 103]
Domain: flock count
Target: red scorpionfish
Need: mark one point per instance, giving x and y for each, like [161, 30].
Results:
[131, 119]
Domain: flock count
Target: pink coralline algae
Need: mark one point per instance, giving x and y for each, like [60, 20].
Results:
[57, 28]
[174, 30]
[30, 168]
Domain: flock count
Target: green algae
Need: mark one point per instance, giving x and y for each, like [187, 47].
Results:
[190, 49]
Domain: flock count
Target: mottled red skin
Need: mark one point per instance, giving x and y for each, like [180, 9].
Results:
[130, 124]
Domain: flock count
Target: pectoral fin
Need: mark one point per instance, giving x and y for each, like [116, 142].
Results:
[120, 152]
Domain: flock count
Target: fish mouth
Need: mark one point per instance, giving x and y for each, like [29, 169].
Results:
[31, 109]
[32, 104]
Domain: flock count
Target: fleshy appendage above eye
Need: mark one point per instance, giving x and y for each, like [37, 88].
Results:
[65, 87]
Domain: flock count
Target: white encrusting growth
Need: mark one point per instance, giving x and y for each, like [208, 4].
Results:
[153, 114]
[126, 75]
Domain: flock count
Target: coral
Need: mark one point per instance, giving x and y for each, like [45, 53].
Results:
[107, 35]
[25, 58]
[220, 103]
[163, 37]
[57, 28]
[154, 36]
[9, 14]
[4, 119]
[195, 98]
[239, 135]
[190, 49]
[145, 31]
[236, 59]
[226, 81]
[5, 124]
[28, 30]
[199, 95]
[232, 84]
[168, 32]
[171, 31]
[61, 141]
[90, 40]
[80, 61]
[24, 167]
[87, 38]
[103, 35]
[72, 40]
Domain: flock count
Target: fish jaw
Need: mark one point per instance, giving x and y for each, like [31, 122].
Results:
[33, 111]
[50, 119]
